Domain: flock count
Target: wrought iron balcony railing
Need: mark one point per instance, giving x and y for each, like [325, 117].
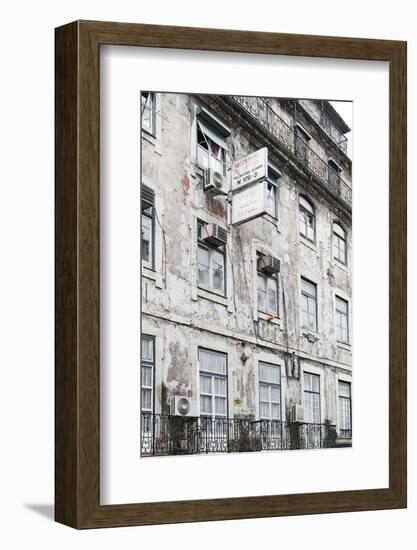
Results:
[324, 121]
[173, 435]
[265, 116]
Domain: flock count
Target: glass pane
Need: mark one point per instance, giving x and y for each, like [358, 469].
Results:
[308, 288]
[146, 239]
[261, 293]
[206, 404]
[315, 382]
[203, 267]
[316, 408]
[265, 410]
[147, 349]
[217, 262]
[275, 413]
[269, 373]
[264, 393]
[338, 230]
[271, 200]
[146, 376]
[344, 389]
[220, 404]
[341, 305]
[147, 110]
[205, 384]
[220, 386]
[146, 399]
[202, 157]
[275, 394]
[211, 361]
[272, 295]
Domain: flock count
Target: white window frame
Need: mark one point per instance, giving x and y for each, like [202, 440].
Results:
[339, 413]
[310, 298]
[211, 250]
[318, 376]
[147, 364]
[307, 209]
[213, 376]
[340, 313]
[336, 238]
[149, 106]
[270, 386]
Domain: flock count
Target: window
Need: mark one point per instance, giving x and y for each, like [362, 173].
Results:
[148, 112]
[307, 219]
[147, 381]
[267, 292]
[334, 175]
[213, 383]
[211, 145]
[339, 243]
[342, 320]
[269, 391]
[312, 398]
[148, 226]
[301, 144]
[211, 264]
[345, 409]
[272, 195]
[308, 305]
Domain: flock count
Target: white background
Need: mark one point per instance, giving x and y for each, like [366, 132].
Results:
[26, 295]
[125, 478]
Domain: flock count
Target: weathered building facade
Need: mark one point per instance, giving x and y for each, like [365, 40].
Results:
[246, 330]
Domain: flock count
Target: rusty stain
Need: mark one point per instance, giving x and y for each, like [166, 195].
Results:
[185, 186]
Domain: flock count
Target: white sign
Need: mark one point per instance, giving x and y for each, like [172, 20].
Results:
[249, 203]
[250, 169]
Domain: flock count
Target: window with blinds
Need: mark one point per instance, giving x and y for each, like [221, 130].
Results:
[213, 383]
[312, 398]
[269, 391]
[345, 409]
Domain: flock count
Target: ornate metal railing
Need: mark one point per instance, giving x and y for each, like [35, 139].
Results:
[173, 435]
[266, 117]
[325, 123]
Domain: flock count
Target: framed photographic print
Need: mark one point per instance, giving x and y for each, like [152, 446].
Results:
[230, 274]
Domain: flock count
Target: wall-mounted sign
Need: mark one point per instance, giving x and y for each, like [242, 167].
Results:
[249, 169]
[249, 203]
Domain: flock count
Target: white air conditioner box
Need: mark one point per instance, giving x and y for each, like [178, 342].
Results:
[183, 406]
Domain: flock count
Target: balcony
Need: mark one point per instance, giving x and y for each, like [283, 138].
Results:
[176, 435]
[262, 114]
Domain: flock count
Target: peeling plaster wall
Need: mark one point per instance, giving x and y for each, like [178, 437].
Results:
[185, 317]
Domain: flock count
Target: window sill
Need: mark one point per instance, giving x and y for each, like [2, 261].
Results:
[309, 244]
[152, 140]
[150, 273]
[266, 317]
[272, 220]
[339, 265]
[344, 345]
[212, 296]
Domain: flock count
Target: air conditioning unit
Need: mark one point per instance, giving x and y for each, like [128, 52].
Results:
[214, 234]
[269, 264]
[297, 413]
[214, 182]
[183, 406]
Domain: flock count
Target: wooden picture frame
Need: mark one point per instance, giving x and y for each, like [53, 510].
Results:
[77, 404]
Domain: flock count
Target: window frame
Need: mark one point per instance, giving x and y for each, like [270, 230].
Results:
[213, 376]
[270, 386]
[339, 415]
[308, 296]
[266, 278]
[145, 206]
[212, 131]
[211, 248]
[303, 210]
[151, 129]
[312, 392]
[147, 364]
[336, 237]
[339, 312]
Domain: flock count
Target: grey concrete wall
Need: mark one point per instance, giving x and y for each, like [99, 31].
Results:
[183, 317]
